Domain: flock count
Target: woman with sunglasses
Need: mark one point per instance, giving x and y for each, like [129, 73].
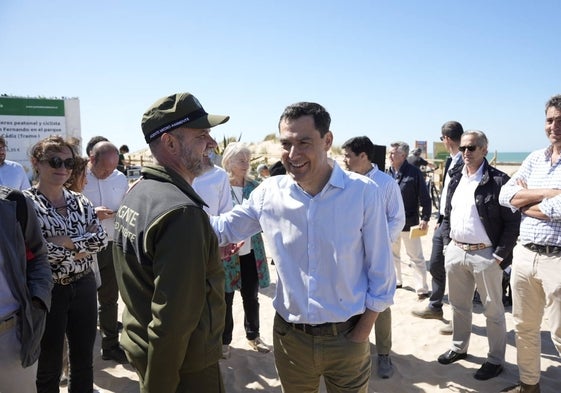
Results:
[73, 234]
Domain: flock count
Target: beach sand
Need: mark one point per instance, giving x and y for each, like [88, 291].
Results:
[416, 346]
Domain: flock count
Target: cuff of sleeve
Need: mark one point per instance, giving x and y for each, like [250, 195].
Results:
[498, 257]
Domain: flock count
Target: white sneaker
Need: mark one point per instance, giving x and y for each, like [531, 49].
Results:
[225, 351]
[258, 345]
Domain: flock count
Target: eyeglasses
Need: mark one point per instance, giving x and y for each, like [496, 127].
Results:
[56, 162]
[442, 138]
[469, 147]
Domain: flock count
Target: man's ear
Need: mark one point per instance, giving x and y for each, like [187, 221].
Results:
[168, 141]
[328, 140]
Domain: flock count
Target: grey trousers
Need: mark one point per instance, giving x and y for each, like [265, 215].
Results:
[465, 270]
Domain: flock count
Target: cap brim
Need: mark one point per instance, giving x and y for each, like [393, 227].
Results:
[207, 121]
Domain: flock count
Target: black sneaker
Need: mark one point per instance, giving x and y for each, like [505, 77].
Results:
[116, 354]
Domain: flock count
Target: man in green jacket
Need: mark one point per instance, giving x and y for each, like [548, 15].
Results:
[167, 259]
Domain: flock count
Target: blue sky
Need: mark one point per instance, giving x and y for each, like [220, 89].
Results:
[392, 70]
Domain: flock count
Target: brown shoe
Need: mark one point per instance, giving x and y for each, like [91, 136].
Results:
[428, 313]
[522, 388]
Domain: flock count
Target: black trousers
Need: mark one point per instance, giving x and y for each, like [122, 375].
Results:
[73, 312]
[437, 270]
[108, 296]
[249, 291]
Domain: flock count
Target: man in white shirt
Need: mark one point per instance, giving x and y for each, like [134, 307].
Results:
[479, 235]
[359, 158]
[213, 186]
[105, 188]
[12, 173]
[327, 233]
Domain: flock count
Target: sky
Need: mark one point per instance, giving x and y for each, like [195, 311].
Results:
[391, 70]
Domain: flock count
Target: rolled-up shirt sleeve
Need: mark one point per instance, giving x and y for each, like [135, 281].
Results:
[551, 207]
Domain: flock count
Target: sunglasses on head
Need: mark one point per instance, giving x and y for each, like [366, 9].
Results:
[56, 162]
[469, 147]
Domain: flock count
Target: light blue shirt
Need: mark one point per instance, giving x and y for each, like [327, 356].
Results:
[13, 175]
[394, 202]
[538, 172]
[332, 251]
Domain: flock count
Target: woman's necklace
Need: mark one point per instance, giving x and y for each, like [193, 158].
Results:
[235, 194]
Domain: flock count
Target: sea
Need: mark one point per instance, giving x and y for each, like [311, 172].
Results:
[508, 157]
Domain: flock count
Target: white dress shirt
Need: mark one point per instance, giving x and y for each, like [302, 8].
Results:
[465, 224]
[444, 194]
[332, 251]
[213, 187]
[106, 192]
[394, 202]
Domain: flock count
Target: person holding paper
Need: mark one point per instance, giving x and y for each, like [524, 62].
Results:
[415, 195]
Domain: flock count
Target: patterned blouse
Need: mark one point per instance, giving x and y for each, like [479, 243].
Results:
[231, 264]
[80, 215]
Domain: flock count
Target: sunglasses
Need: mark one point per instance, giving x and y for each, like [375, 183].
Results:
[470, 148]
[442, 138]
[56, 162]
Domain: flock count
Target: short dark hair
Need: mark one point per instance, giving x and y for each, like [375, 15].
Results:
[360, 144]
[554, 101]
[453, 130]
[92, 142]
[322, 120]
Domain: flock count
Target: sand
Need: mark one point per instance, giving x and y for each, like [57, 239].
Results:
[416, 346]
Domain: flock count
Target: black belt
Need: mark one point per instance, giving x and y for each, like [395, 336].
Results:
[324, 329]
[73, 278]
[7, 323]
[540, 249]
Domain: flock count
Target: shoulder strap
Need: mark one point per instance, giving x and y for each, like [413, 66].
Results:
[21, 206]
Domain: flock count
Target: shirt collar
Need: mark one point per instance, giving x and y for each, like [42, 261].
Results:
[477, 175]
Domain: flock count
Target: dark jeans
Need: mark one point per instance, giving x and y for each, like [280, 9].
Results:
[437, 270]
[73, 312]
[249, 291]
[108, 296]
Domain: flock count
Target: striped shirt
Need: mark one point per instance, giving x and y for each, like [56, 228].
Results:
[538, 172]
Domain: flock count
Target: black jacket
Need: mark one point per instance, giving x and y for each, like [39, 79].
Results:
[458, 164]
[501, 223]
[414, 192]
